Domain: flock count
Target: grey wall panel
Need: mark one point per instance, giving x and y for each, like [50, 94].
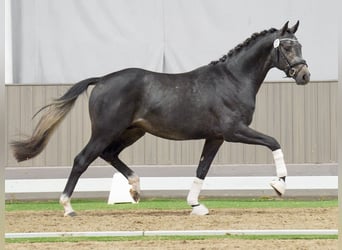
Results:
[303, 119]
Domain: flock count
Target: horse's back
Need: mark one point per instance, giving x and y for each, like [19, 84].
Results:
[174, 106]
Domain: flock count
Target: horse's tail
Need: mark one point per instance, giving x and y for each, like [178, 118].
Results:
[54, 114]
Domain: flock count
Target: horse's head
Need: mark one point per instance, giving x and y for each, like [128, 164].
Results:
[288, 55]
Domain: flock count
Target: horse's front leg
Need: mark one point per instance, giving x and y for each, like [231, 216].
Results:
[210, 149]
[247, 135]
[279, 184]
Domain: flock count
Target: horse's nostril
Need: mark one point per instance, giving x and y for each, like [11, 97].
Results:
[306, 77]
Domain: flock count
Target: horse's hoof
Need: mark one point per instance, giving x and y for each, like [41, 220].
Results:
[70, 214]
[199, 210]
[279, 186]
[135, 195]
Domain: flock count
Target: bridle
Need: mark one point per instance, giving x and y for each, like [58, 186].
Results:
[290, 67]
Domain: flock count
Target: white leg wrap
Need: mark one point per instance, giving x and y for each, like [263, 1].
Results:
[279, 163]
[279, 185]
[194, 192]
[197, 209]
[65, 202]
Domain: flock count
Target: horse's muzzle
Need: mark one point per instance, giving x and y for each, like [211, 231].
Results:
[303, 75]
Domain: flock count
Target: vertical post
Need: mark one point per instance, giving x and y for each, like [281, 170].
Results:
[2, 124]
[339, 130]
[8, 43]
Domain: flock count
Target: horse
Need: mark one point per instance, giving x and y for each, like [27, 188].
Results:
[214, 102]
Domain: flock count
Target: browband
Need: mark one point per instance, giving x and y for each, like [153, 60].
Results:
[277, 41]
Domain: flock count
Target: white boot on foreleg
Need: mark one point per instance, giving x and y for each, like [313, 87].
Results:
[192, 199]
[279, 184]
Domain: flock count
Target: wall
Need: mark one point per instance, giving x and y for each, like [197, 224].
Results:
[64, 41]
[303, 119]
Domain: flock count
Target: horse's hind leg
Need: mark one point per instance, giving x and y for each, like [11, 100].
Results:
[110, 154]
[81, 162]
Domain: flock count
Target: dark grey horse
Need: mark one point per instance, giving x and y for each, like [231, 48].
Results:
[215, 102]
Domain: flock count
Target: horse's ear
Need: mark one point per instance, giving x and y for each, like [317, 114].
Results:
[294, 28]
[284, 28]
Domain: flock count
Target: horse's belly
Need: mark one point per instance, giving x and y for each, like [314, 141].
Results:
[175, 131]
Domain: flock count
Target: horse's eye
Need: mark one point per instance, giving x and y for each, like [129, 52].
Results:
[287, 48]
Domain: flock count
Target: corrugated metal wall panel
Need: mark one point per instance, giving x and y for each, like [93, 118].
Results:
[303, 119]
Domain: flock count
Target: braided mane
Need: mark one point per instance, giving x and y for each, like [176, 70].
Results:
[243, 45]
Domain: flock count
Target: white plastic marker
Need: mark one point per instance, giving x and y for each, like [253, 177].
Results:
[119, 192]
[276, 43]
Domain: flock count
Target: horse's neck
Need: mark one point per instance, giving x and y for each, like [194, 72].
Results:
[251, 65]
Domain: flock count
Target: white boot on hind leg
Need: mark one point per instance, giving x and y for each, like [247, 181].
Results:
[65, 202]
[134, 181]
